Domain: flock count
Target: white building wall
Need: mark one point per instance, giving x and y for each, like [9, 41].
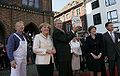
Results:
[102, 9]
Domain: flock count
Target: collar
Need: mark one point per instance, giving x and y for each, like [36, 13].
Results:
[44, 36]
[110, 32]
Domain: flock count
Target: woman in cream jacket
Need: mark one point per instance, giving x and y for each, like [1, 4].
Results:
[44, 50]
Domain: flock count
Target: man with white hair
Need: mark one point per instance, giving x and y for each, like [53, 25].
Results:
[61, 42]
[17, 50]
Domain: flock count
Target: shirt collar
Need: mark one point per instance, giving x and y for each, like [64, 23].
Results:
[44, 36]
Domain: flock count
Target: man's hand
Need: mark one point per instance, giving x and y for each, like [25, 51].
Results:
[75, 28]
[106, 58]
[13, 64]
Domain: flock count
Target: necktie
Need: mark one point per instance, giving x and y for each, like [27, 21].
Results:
[112, 37]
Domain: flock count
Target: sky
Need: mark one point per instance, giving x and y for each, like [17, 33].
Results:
[57, 5]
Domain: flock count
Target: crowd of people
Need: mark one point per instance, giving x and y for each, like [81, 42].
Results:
[69, 52]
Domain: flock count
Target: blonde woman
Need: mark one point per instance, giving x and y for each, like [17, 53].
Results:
[44, 50]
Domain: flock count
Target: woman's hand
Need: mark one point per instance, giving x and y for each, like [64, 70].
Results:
[13, 64]
[53, 51]
[99, 56]
[94, 56]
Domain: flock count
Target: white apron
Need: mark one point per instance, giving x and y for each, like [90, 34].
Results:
[20, 58]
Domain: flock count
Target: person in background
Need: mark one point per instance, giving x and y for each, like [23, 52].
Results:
[83, 48]
[2, 56]
[76, 55]
[94, 44]
[61, 41]
[112, 53]
[44, 50]
[17, 50]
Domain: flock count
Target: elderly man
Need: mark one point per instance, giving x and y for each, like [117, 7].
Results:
[17, 50]
[61, 42]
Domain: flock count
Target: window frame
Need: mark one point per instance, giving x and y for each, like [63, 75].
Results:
[109, 4]
[28, 1]
[111, 19]
[95, 18]
[94, 3]
[78, 11]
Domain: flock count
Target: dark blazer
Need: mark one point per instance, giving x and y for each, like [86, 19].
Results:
[95, 45]
[61, 42]
[110, 47]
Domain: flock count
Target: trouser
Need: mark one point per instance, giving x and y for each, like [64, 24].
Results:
[45, 70]
[112, 66]
[65, 68]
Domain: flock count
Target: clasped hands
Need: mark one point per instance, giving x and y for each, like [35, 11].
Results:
[96, 57]
[53, 51]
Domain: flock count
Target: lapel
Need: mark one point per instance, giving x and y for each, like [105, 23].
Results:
[116, 37]
[111, 38]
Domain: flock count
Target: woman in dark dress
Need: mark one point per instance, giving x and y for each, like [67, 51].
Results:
[94, 44]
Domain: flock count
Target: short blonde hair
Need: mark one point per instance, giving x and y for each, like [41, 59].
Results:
[18, 24]
[45, 24]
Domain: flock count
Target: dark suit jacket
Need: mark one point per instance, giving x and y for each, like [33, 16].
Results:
[95, 45]
[61, 42]
[110, 47]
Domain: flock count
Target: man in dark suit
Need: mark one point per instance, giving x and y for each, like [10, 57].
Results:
[110, 47]
[63, 51]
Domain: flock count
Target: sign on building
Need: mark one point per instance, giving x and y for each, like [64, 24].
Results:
[76, 21]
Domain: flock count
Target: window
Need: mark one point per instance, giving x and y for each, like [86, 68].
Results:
[36, 4]
[68, 27]
[78, 11]
[4, 1]
[112, 16]
[73, 12]
[67, 15]
[97, 19]
[110, 2]
[32, 3]
[95, 4]
[24, 2]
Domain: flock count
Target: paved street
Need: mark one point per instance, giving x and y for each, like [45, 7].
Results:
[31, 71]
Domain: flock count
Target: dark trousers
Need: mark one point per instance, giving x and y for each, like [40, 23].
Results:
[112, 66]
[65, 68]
[45, 70]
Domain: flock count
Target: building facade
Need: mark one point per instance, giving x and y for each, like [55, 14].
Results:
[32, 12]
[74, 8]
[101, 11]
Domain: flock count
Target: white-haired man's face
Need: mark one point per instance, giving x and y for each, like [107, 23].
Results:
[20, 27]
[59, 24]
